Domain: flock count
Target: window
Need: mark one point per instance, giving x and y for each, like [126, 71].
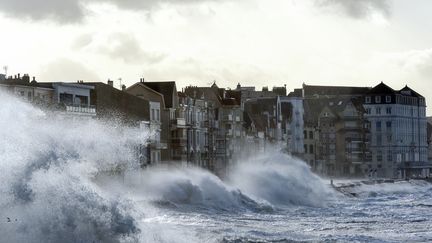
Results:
[311, 149]
[388, 99]
[389, 138]
[305, 149]
[158, 115]
[378, 126]
[305, 134]
[378, 99]
[379, 156]
[388, 125]
[368, 100]
[388, 110]
[389, 156]
[368, 111]
[311, 136]
[379, 140]
[378, 110]
[152, 117]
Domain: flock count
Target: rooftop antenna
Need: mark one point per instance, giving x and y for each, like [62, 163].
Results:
[5, 68]
[120, 80]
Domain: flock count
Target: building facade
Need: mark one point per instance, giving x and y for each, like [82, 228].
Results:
[398, 132]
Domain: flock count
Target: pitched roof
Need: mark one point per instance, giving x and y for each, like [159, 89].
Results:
[209, 93]
[410, 92]
[166, 88]
[381, 88]
[311, 90]
[313, 107]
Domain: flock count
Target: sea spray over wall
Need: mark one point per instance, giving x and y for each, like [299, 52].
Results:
[193, 187]
[47, 165]
[258, 184]
[280, 180]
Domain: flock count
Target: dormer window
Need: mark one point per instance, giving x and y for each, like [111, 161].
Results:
[368, 100]
[378, 99]
[388, 99]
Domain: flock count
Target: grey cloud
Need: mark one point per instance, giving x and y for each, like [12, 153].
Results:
[64, 11]
[127, 48]
[64, 69]
[358, 9]
[72, 11]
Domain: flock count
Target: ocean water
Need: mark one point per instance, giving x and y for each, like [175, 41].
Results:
[59, 184]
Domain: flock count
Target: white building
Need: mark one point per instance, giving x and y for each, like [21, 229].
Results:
[398, 132]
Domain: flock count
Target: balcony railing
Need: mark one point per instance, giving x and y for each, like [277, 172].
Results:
[179, 122]
[85, 109]
[158, 145]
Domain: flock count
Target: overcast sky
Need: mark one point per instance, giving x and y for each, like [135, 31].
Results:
[254, 42]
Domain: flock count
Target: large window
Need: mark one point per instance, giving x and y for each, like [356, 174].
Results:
[378, 110]
[379, 139]
[377, 99]
[66, 98]
[388, 110]
[368, 100]
[388, 99]
[379, 156]
[388, 125]
[378, 126]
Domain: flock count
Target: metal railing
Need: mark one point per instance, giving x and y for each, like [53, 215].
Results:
[88, 109]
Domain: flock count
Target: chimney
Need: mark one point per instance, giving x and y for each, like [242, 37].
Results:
[34, 79]
[123, 87]
[26, 78]
[19, 75]
[110, 83]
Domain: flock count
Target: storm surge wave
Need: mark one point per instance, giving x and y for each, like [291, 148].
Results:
[62, 181]
[47, 164]
[280, 180]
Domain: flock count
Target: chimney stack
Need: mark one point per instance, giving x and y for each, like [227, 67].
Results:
[26, 78]
[123, 87]
[110, 83]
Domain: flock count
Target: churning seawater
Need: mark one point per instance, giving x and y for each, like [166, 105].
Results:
[59, 183]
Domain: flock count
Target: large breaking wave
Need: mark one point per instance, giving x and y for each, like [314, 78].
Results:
[55, 184]
[47, 164]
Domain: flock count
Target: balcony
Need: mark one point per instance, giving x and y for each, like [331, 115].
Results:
[158, 145]
[81, 109]
[178, 122]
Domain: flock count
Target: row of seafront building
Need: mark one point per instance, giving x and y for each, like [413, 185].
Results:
[339, 131]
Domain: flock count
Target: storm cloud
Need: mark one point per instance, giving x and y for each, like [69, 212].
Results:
[357, 9]
[73, 11]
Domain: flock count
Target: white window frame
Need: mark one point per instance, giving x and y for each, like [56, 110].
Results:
[378, 99]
